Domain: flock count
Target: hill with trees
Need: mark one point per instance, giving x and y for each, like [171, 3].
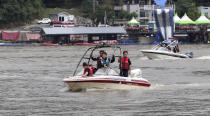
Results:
[17, 12]
[20, 12]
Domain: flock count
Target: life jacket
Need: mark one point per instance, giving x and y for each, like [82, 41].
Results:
[105, 61]
[94, 69]
[125, 63]
[90, 73]
[98, 59]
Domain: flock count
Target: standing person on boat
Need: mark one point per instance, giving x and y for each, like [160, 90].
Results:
[125, 64]
[105, 61]
[87, 70]
[97, 58]
[176, 48]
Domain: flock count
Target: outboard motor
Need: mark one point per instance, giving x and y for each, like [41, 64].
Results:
[189, 54]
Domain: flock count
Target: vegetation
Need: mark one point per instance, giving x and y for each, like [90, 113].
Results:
[19, 12]
[202, 2]
[189, 7]
[98, 12]
[16, 12]
[62, 3]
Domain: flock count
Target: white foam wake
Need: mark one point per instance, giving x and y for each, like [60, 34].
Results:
[204, 57]
[180, 86]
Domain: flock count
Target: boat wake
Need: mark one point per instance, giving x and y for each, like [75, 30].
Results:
[204, 58]
[180, 86]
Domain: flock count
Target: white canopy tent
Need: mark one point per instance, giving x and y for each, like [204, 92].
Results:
[202, 20]
[133, 21]
[185, 20]
[176, 18]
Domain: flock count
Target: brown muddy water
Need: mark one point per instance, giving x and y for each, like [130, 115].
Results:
[31, 84]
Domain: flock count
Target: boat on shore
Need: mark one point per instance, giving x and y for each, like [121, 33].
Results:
[105, 78]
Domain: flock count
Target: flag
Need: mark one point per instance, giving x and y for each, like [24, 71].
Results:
[164, 22]
[160, 3]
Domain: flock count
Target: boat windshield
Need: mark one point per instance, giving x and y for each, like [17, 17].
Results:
[102, 71]
[106, 71]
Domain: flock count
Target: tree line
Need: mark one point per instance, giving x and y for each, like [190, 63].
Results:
[190, 7]
[18, 12]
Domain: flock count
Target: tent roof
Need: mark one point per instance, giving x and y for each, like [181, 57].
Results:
[202, 20]
[83, 30]
[176, 18]
[133, 21]
[185, 20]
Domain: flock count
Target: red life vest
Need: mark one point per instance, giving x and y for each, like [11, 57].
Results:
[90, 73]
[99, 58]
[125, 63]
[93, 68]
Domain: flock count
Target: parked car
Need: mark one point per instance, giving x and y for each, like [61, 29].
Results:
[44, 21]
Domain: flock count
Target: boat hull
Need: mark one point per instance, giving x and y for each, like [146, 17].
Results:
[106, 83]
[154, 54]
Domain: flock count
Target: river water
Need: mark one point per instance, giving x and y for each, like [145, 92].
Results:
[31, 84]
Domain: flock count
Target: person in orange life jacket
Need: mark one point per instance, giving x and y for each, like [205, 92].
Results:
[104, 61]
[97, 58]
[87, 70]
[125, 64]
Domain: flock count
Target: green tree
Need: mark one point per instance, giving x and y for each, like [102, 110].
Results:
[87, 8]
[100, 11]
[193, 12]
[19, 11]
[202, 2]
[187, 6]
[126, 15]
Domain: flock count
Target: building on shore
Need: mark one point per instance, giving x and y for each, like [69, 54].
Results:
[143, 8]
[81, 34]
[62, 18]
[204, 10]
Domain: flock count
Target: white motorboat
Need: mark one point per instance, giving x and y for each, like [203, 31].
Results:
[168, 49]
[107, 81]
[105, 78]
[165, 50]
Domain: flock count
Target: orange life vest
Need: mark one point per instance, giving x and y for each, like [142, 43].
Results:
[125, 63]
[90, 73]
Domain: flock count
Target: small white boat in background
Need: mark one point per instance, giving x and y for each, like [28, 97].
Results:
[105, 78]
[166, 50]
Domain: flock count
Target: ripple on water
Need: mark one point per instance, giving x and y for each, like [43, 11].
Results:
[31, 84]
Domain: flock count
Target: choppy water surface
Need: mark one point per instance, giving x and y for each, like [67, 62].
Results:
[31, 84]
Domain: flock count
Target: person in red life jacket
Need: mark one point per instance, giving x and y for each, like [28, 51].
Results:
[93, 68]
[87, 70]
[105, 61]
[97, 58]
[125, 64]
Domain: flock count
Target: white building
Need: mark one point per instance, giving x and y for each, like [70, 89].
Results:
[143, 8]
[63, 17]
[204, 10]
